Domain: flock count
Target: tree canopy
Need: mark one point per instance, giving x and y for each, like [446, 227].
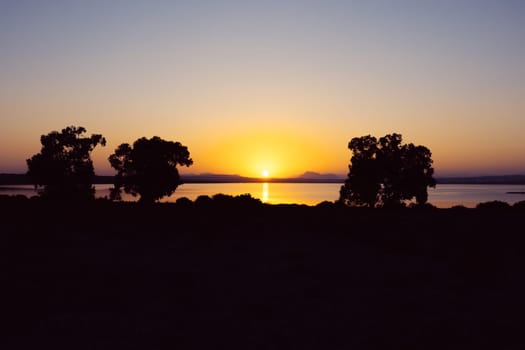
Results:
[64, 167]
[148, 168]
[386, 172]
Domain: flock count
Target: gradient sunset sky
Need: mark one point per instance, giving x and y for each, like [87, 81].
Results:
[280, 86]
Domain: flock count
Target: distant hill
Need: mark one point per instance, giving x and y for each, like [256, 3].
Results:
[307, 177]
[23, 179]
[484, 180]
[215, 178]
[311, 175]
[14, 179]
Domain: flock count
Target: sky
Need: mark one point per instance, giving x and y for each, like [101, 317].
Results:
[277, 86]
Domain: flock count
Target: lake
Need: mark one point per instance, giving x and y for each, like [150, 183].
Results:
[442, 196]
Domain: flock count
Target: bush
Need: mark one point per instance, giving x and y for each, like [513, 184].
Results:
[325, 204]
[426, 206]
[184, 202]
[203, 201]
[498, 205]
[240, 201]
[459, 207]
[519, 205]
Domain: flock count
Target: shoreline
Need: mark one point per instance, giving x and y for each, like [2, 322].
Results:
[443, 196]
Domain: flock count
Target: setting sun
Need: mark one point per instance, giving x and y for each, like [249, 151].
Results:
[282, 152]
[249, 86]
[265, 173]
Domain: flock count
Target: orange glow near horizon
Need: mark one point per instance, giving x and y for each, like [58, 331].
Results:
[251, 87]
[262, 154]
[282, 151]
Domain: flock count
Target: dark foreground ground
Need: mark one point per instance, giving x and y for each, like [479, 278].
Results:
[125, 276]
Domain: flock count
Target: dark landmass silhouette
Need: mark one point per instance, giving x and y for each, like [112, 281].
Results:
[233, 273]
[311, 175]
[23, 179]
[307, 177]
[484, 180]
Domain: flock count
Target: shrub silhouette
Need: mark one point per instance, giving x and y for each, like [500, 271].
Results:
[243, 201]
[426, 206]
[64, 167]
[246, 201]
[385, 172]
[148, 168]
[324, 204]
[498, 205]
[203, 201]
[184, 202]
[519, 205]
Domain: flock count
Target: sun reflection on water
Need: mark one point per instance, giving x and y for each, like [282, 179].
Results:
[265, 192]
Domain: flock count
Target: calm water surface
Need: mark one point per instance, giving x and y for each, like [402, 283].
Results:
[442, 196]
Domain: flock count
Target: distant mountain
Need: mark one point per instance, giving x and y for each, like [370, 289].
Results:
[215, 178]
[23, 179]
[484, 180]
[14, 179]
[311, 175]
[307, 177]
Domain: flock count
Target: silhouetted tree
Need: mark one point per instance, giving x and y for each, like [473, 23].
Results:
[149, 168]
[363, 184]
[64, 166]
[386, 172]
[417, 173]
